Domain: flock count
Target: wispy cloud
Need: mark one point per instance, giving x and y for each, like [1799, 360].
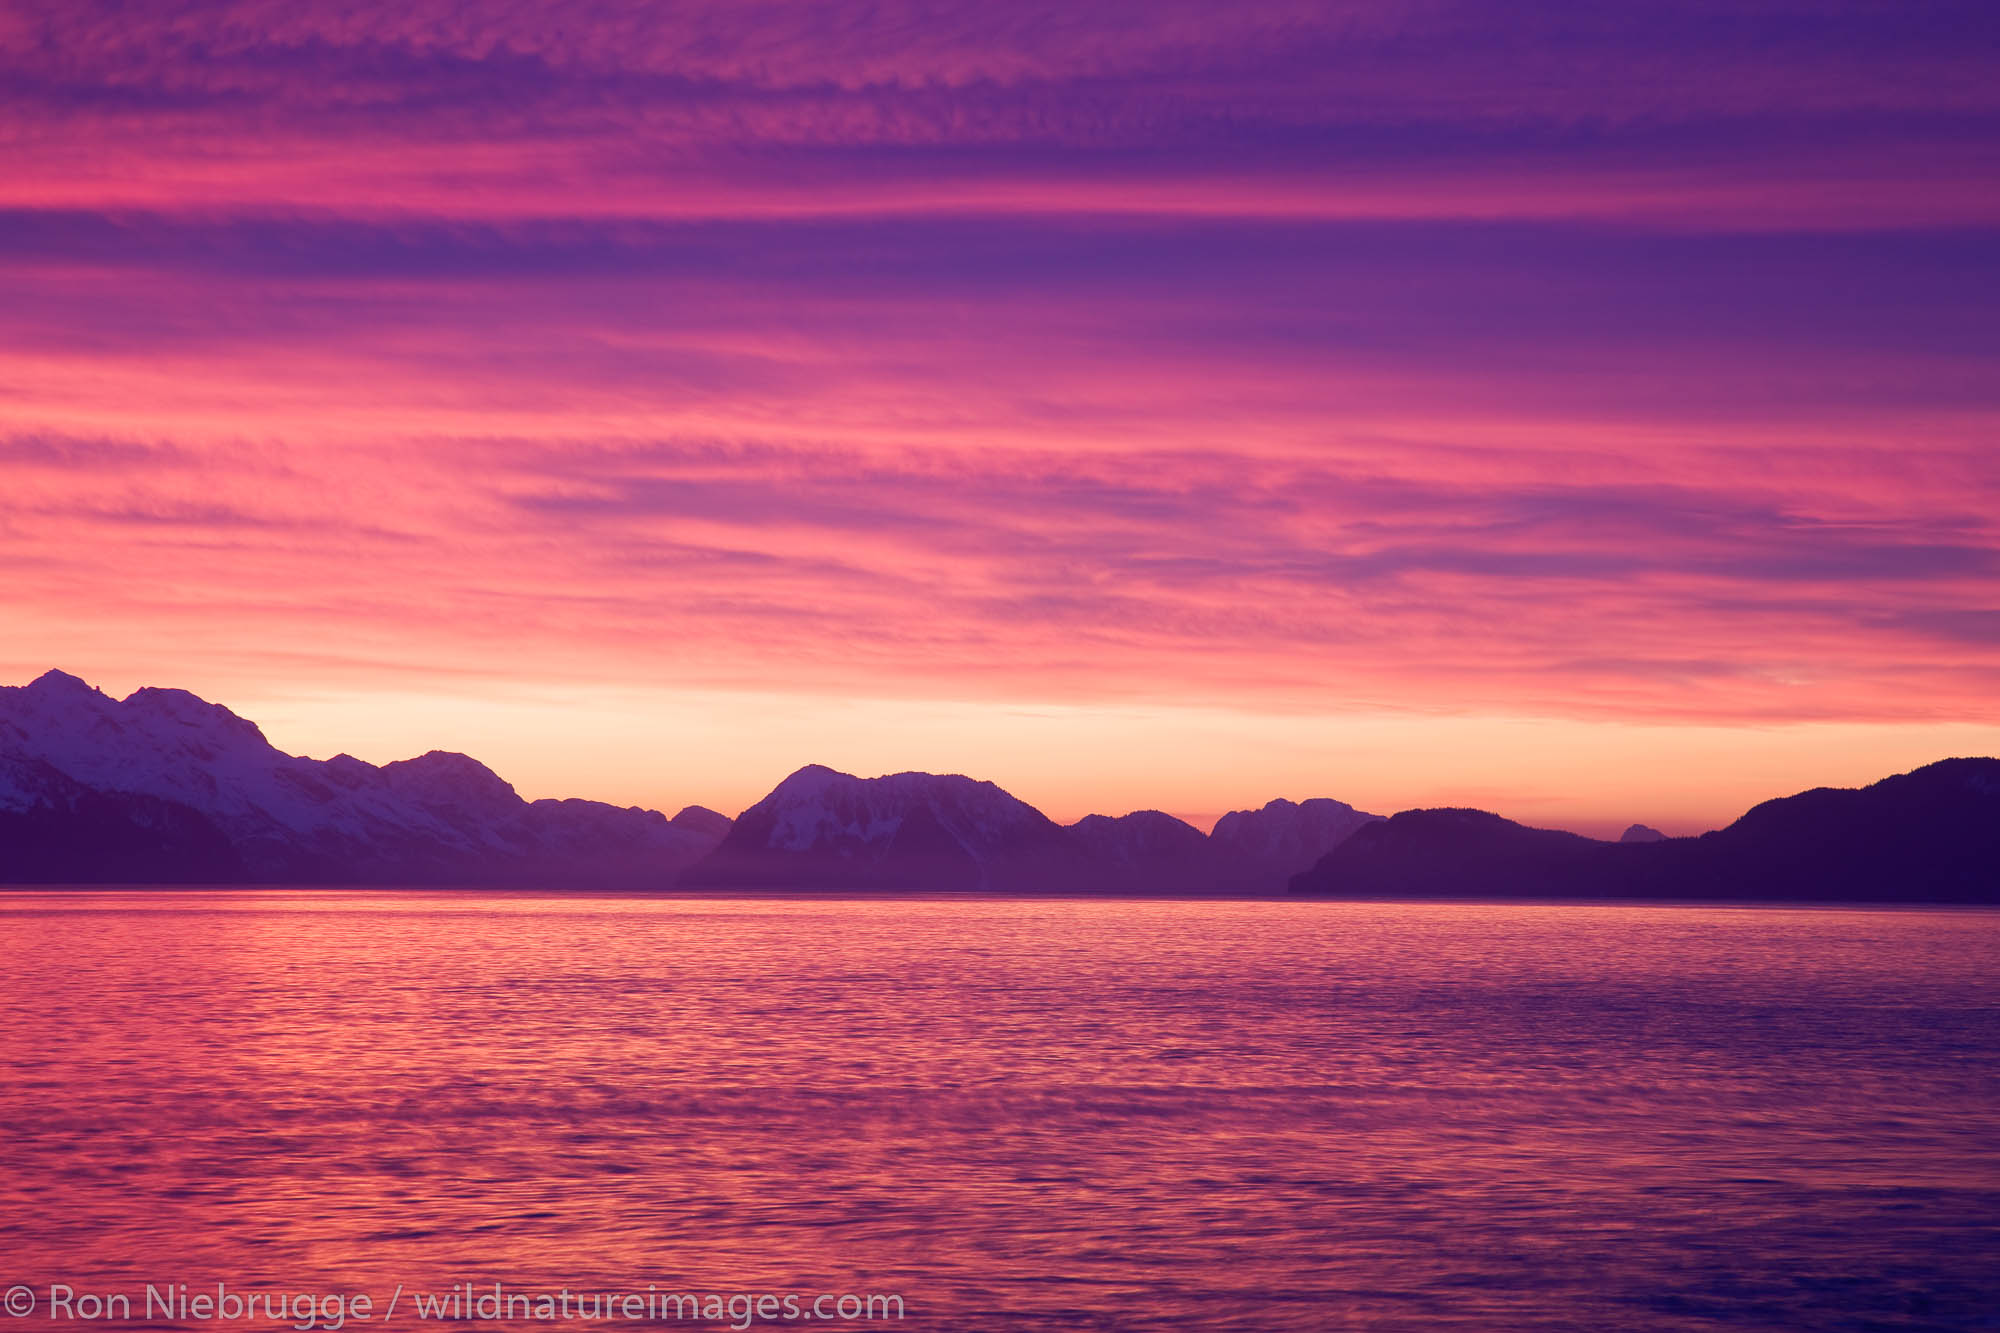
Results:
[1788, 116]
[1549, 359]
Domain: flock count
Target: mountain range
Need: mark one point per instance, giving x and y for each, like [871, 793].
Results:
[164, 787]
[1929, 836]
[819, 829]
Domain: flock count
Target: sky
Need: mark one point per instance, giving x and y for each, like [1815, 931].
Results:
[1583, 411]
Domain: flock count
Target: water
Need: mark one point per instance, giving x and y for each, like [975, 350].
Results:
[1014, 1115]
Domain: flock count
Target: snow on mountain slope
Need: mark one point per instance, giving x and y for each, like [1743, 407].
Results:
[820, 828]
[167, 770]
[823, 829]
[440, 817]
[54, 829]
[817, 807]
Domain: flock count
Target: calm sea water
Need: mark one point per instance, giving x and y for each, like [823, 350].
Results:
[1014, 1115]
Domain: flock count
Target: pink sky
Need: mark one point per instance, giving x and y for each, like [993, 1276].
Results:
[1589, 416]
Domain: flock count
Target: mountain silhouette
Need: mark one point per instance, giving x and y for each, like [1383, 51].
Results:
[165, 787]
[1928, 836]
[1262, 849]
[821, 829]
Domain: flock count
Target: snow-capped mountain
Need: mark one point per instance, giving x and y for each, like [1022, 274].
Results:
[822, 829]
[1263, 849]
[213, 799]
[55, 830]
[164, 786]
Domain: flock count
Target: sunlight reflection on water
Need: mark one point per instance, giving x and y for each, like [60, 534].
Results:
[1016, 1114]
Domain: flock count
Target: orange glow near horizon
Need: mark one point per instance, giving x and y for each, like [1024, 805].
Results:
[666, 748]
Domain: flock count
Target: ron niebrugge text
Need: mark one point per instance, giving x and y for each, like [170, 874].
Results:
[467, 1302]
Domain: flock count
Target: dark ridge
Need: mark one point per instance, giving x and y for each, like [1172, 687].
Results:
[1929, 836]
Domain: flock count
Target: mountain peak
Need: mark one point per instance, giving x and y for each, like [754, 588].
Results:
[1150, 850]
[1978, 774]
[1642, 833]
[191, 710]
[701, 819]
[99, 779]
[55, 683]
[446, 775]
[1932, 835]
[446, 763]
[810, 779]
[1271, 844]
[822, 828]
